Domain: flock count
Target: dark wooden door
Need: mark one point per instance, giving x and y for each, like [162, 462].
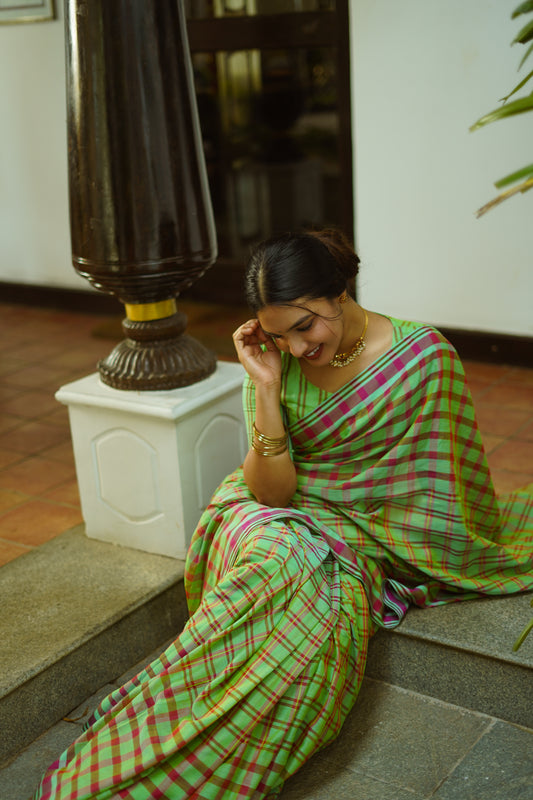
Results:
[272, 81]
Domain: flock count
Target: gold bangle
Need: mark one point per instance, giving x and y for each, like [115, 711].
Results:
[269, 440]
[261, 451]
[268, 445]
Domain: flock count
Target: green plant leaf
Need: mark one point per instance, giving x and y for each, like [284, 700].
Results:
[524, 35]
[525, 174]
[513, 177]
[524, 633]
[519, 106]
[517, 87]
[525, 57]
[522, 187]
[523, 8]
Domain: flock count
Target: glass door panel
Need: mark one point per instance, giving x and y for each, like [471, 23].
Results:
[207, 9]
[270, 129]
[272, 83]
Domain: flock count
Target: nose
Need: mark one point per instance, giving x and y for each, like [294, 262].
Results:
[297, 346]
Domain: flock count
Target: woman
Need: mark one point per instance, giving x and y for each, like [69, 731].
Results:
[365, 489]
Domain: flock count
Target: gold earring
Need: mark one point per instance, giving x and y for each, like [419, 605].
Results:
[343, 298]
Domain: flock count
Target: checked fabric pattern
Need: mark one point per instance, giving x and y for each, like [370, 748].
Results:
[263, 675]
[392, 468]
[395, 506]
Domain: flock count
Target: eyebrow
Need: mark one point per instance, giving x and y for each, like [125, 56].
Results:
[296, 324]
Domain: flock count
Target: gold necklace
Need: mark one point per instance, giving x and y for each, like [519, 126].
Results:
[343, 359]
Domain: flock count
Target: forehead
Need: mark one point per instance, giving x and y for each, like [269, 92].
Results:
[279, 319]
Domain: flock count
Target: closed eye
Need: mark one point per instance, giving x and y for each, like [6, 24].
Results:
[305, 327]
[297, 327]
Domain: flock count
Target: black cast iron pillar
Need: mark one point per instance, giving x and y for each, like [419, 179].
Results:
[140, 212]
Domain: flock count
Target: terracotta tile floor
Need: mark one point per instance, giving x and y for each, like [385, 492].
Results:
[43, 349]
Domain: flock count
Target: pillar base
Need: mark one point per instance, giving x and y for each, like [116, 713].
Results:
[156, 356]
[148, 462]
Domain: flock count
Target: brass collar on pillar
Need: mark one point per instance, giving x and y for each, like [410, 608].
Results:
[146, 312]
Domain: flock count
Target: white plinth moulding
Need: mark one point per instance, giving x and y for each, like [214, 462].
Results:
[147, 463]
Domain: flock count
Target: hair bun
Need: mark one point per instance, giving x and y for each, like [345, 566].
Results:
[310, 264]
[340, 249]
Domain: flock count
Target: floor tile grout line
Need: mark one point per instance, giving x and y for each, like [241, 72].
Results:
[3, 540]
[32, 497]
[522, 428]
[39, 453]
[39, 499]
[492, 721]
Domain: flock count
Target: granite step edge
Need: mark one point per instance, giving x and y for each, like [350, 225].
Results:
[64, 593]
[122, 612]
[464, 678]
[487, 627]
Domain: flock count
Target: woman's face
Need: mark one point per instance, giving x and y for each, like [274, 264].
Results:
[308, 329]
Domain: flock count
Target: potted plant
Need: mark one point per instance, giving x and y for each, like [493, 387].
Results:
[520, 180]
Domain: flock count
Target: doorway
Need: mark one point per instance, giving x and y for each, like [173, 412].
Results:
[272, 82]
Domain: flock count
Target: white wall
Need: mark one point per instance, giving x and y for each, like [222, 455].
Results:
[34, 232]
[423, 71]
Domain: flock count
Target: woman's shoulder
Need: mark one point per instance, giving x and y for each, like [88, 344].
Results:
[426, 346]
[405, 329]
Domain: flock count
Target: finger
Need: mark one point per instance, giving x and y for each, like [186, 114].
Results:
[247, 342]
[263, 337]
[271, 345]
[247, 327]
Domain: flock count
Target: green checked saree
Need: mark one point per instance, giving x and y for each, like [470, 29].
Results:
[395, 506]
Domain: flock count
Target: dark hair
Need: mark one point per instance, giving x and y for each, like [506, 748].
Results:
[311, 264]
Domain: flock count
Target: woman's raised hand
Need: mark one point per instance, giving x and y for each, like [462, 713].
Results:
[263, 364]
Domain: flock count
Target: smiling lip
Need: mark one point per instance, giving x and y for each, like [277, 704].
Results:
[313, 354]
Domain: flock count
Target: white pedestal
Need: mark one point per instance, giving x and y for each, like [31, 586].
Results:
[148, 462]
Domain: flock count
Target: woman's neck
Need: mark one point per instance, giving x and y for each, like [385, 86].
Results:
[378, 340]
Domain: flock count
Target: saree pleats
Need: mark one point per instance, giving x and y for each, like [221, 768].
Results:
[262, 676]
[395, 506]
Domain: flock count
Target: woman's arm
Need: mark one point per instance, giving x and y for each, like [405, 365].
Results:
[270, 478]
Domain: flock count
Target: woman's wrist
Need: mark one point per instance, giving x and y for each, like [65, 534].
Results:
[269, 445]
[267, 390]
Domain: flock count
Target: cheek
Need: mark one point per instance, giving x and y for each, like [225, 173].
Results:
[327, 329]
[280, 344]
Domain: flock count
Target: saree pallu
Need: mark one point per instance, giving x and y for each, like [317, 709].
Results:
[393, 471]
[394, 506]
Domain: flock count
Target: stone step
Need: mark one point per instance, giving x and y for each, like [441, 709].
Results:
[78, 613]
[462, 653]
[391, 747]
